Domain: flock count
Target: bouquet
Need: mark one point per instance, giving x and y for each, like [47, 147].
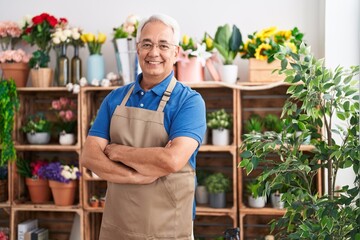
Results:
[128, 28]
[60, 172]
[14, 56]
[65, 110]
[10, 33]
[264, 44]
[38, 32]
[67, 36]
[94, 43]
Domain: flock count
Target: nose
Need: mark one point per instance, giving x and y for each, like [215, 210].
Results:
[155, 49]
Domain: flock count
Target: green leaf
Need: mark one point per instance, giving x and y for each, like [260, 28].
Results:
[246, 154]
[235, 40]
[341, 116]
[284, 63]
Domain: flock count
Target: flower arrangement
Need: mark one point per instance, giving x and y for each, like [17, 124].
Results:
[14, 56]
[60, 172]
[38, 32]
[263, 44]
[10, 33]
[67, 36]
[36, 123]
[65, 110]
[30, 169]
[128, 29]
[190, 48]
[94, 43]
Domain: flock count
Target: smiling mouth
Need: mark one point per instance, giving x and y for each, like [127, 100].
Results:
[154, 62]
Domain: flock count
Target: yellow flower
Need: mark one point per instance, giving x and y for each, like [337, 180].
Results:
[266, 33]
[283, 34]
[89, 37]
[185, 39]
[291, 46]
[101, 38]
[259, 53]
[209, 43]
[83, 38]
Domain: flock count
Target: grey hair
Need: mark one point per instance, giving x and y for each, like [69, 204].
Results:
[167, 20]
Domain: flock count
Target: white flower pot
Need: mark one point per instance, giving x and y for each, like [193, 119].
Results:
[229, 73]
[276, 200]
[220, 137]
[201, 195]
[205, 139]
[38, 138]
[67, 138]
[258, 202]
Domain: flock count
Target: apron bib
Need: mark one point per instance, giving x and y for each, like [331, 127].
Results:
[160, 210]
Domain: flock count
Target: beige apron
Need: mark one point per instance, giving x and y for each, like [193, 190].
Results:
[160, 210]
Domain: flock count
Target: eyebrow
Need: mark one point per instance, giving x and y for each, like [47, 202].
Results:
[148, 40]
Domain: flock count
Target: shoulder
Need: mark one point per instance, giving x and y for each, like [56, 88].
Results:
[116, 95]
[185, 93]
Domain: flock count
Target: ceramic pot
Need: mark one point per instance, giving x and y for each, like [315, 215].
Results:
[38, 138]
[39, 190]
[258, 202]
[67, 138]
[191, 71]
[276, 200]
[17, 71]
[63, 193]
[217, 200]
[201, 195]
[229, 73]
[95, 68]
[220, 137]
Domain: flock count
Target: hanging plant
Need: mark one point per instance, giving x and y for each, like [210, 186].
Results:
[9, 103]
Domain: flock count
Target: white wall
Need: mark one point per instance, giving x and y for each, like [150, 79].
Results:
[194, 16]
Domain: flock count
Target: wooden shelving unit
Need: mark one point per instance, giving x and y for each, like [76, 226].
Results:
[241, 100]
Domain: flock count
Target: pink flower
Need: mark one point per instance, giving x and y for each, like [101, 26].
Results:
[10, 56]
[56, 105]
[69, 115]
[64, 101]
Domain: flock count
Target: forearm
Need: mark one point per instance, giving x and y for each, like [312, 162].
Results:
[94, 159]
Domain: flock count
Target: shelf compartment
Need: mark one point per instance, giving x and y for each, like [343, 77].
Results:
[255, 226]
[211, 227]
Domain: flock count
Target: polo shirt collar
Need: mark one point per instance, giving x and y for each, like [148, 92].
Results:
[158, 89]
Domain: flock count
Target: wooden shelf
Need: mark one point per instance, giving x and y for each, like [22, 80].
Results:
[46, 207]
[49, 147]
[261, 211]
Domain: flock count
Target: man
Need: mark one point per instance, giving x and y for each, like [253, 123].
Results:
[144, 142]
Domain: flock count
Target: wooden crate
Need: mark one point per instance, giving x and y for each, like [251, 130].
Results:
[59, 224]
[256, 226]
[261, 71]
[211, 227]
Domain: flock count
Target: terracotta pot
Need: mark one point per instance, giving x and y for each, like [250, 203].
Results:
[191, 71]
[17, 71]
[39, 190]
[63, 193]
[41, 77]
[94, 203]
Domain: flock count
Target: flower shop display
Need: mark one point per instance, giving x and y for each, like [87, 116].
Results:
[95, 62]
[63, 181]
[191, 60]
[220, 122]
[14, 64]
[125, 49]
[37, 129]
[66, 112]
[9, 104]
[36, 183]
[3, 183]
[38, 32]
[227, 41]
[261, 47]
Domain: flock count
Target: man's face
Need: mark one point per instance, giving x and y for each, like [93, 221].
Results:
[157, 51]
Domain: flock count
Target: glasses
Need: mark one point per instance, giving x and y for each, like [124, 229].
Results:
[147, 46]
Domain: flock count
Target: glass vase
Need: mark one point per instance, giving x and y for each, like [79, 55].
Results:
[76, 68]
[95, 67]
[63, 67]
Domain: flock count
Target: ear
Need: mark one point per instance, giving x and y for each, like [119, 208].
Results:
[177, 51]
[137, 48]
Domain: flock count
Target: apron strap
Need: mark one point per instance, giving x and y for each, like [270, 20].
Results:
[126, 98]
[166, 96]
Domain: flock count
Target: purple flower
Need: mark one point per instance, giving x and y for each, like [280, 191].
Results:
[58, 172]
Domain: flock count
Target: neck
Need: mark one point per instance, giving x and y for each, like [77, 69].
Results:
[148, 82]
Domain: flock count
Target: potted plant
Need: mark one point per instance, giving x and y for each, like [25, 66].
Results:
[125, 48]
[3, 183]
[201, 193]
[9, 104]
[314, 95]
[261, 47]
[254, 124]
[255, 199]
[62, 181]
[228, 43]
[37, 129]
[37, 31]
[36, 183]
[13, 63]
[65, 111]
[220, 122]
[273, 123]
[217, 185]
[94, 201]
[102, 201]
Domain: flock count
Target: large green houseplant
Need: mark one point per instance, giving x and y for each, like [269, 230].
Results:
[317, 96]
[9, 103]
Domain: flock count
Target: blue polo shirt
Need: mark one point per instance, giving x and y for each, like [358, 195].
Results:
[184, 113]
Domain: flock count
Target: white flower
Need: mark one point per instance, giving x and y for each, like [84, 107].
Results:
[76, 89]
[111, 76]
[56, 40]
[95, 82]
[67, 32]
[69, 87]
[201, 54]
[83, 82]
[105, 82]
[132, 19]
[66, 174]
